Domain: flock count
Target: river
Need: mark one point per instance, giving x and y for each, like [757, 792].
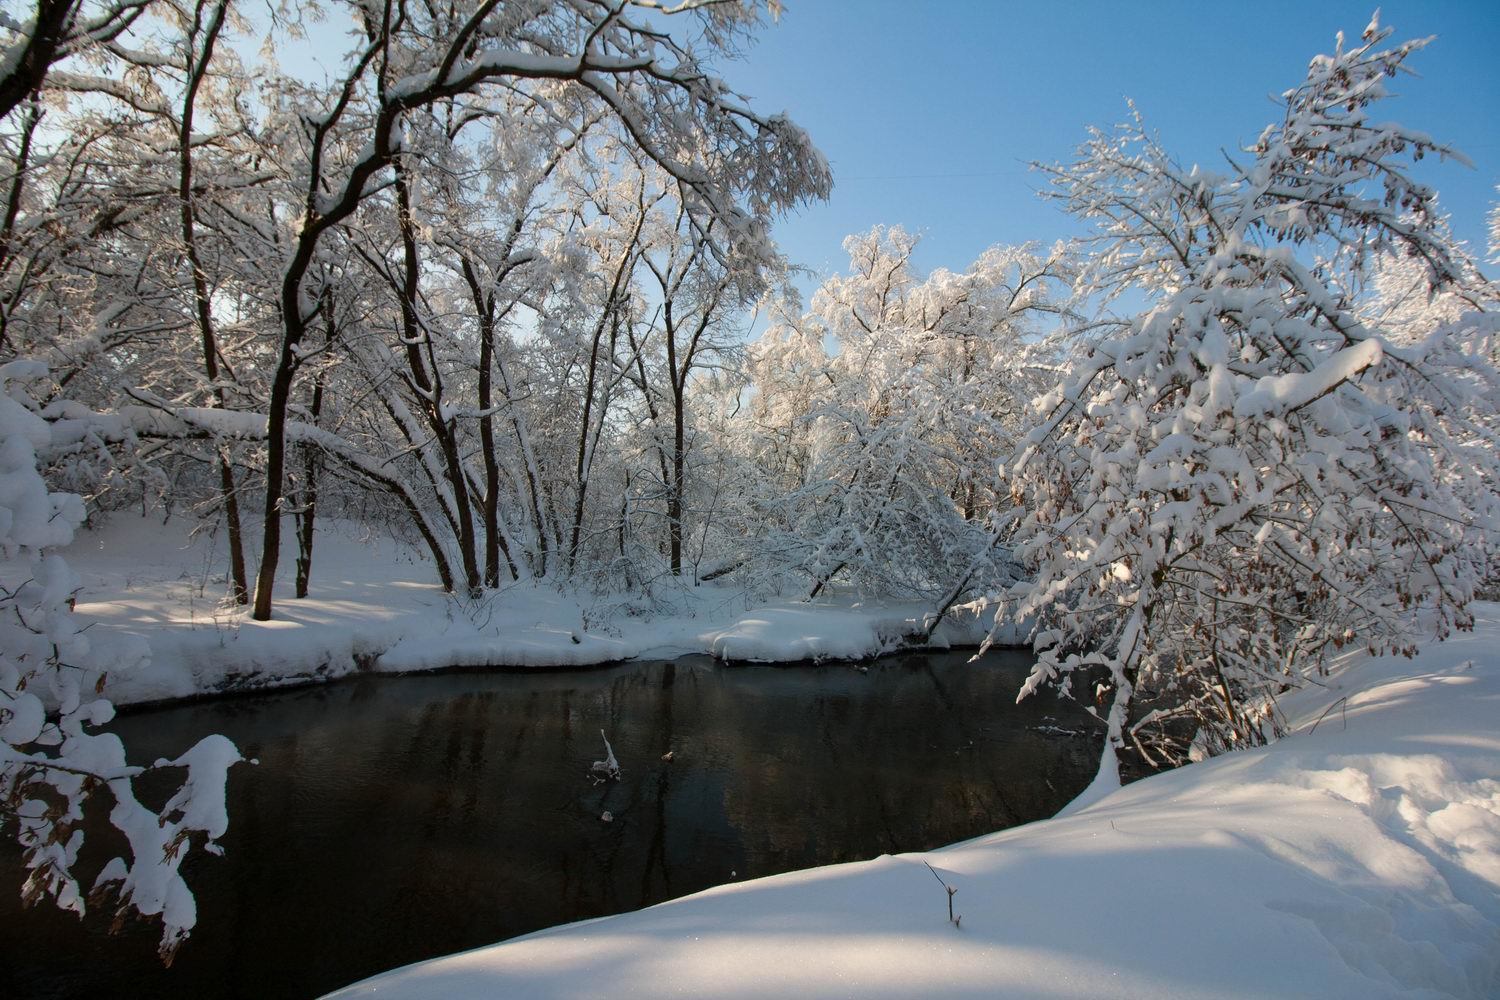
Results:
[392, 819]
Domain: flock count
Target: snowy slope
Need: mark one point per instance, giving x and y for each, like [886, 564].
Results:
[373, 605]
[1358, 858]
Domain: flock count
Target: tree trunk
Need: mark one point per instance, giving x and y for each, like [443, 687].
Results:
[197, 69]
[29, 69]
[494, 541]
[309, 508]
[587, 435]
[428, 380]
[674, 489]
[22, 161]
[281, 389]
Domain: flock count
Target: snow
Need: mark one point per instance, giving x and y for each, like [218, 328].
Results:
[373, 606]
[1359, 857]
[1275, 394]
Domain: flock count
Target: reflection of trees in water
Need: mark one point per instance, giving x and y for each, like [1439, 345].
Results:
[657, 871]
[415, 816]
[837, 765]
[781, 768]
[895, 772]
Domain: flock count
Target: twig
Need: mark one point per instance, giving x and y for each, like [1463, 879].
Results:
[1330, 708]
[951, 890]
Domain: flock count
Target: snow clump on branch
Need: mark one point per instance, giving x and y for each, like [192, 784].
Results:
[52, 756]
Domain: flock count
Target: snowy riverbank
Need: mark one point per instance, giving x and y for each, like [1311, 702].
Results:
[373, 605]
[1359, 858]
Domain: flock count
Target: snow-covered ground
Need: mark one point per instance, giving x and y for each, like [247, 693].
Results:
[1358, 858]
[374, 605]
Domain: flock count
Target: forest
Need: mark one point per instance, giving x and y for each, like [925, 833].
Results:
[505, 288]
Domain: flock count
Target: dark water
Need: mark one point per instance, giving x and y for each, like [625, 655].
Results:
[396, 819]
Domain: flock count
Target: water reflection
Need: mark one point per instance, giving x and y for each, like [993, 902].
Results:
[393, 819]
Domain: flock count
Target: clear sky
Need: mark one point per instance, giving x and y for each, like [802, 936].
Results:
[930, 110]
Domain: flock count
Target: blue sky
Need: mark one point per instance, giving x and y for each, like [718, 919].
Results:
[930, 110]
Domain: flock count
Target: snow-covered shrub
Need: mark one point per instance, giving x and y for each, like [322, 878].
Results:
[52, 754]
[1256, 472]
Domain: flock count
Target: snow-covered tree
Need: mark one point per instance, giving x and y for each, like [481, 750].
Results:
[1257, 472]
[881, 448]
[53, 758]
[735, 167]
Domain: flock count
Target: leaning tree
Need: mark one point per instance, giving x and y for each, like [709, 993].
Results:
[1254, 474]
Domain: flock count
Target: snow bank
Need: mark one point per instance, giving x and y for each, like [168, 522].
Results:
[800, 631]
[542, 645]
[373, 606]
[1359, 858]
[148, 583]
